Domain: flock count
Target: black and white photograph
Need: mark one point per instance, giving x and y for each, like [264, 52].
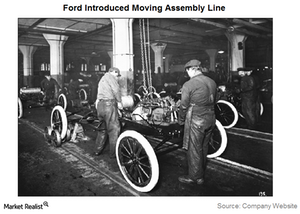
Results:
[168, 106]
[169, 102]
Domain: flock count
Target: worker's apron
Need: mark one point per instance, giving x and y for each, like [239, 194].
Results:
[186, 135]
[188, 120]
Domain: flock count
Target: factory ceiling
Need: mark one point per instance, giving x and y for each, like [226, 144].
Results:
[186, 38]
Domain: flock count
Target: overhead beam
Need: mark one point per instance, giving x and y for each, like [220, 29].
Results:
[32, 26]
[210, 23]
[105, 28]
[249, 24]
[233, 29]
[244, 31]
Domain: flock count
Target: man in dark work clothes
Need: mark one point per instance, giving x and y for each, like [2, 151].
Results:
[198, 116]
[50, 88]
[250, 97]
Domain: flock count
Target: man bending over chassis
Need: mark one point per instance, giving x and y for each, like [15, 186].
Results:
[107, 104]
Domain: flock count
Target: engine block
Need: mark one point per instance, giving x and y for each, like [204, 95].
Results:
[156, 110]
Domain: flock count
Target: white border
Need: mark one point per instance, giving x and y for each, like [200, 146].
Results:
[285, 16]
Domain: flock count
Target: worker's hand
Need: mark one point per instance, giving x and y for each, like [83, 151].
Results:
[120, 106]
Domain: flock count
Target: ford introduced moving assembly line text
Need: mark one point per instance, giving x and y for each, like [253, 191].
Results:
[150, 8]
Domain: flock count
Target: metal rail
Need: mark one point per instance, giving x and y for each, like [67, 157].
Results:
[89, 161]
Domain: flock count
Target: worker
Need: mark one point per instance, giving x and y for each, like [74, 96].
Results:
[249, 93]
[50, 89]
[197, 114]
[107, 104]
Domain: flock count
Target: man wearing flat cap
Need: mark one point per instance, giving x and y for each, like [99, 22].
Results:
[197, 114]
[50, 89]
[249, 97]
[107, 104]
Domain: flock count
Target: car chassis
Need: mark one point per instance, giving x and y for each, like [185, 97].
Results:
[136, 156]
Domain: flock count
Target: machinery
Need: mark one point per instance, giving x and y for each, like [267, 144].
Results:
[29, 98]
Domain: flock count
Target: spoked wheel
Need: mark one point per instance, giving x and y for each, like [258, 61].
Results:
[226, 113]
[68, 136]
[137, 161]
[20, 108]
[82, 95]
[218, 141]
[59, 121]
[62, 101]
[55, 138]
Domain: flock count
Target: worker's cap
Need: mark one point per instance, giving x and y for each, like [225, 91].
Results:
[192, 63]
[116, 70]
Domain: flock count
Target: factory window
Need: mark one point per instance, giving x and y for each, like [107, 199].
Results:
[45, 66]
[83, 67]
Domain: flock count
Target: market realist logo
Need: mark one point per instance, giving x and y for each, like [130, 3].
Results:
[26, 206]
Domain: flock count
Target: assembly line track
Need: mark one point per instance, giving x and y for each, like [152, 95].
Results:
[117, 178]
[89, 161]
[255, 172]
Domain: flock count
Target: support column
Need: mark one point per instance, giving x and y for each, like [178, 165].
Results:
[27, 52]
[123, 53]
[56, 43]
[158, 49]
[167, 62]
[237, 51]
[212, 53]
[110, 54]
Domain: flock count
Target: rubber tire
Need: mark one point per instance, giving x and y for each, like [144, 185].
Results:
[223, 141]
[20, 108]
[68, 136]
[64, 122]
[56, 139]
[261, 109]
[235, 113]
[143, 142]
[84, 94]
[64, 99]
